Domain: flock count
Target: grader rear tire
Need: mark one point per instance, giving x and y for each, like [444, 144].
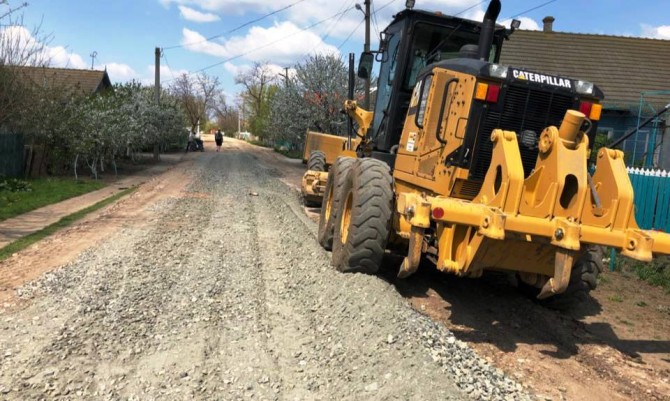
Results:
[363, 223]
[316, 161]
[583, 279]
[332, 199]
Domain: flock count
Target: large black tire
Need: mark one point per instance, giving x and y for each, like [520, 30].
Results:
[317, 161]
[583, 279]
[331, 200]
[363, 221]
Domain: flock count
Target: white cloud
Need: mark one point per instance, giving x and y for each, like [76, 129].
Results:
[312, 11]
[197, 16]
[656, 32]
[57, 56]
[234, 69]
[282, 43]
[237, 7]
[60, 57]
[167, 74]
[120, 72]
[334, 23]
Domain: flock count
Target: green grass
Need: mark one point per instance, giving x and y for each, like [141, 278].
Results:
[291, 154]
[656, 272]
[616, 298]
[45, 191]
[28, 240]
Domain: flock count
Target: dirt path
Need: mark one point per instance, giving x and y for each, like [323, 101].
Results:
[28, 223]
[193, 288]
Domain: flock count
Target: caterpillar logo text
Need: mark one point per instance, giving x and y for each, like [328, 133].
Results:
[542, 79]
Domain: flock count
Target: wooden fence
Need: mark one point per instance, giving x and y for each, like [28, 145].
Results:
[652, 198]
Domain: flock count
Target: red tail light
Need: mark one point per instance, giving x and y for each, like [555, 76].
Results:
[493, 93]
[585, 107]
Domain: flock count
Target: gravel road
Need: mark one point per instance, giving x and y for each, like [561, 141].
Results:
[224, 293]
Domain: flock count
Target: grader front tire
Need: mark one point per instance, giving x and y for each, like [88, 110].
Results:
[316, 161]
[332, 199]
[364, 221]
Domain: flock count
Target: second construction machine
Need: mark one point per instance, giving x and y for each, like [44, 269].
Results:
[479, 166]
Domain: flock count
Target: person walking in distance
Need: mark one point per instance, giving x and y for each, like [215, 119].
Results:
[218, 138]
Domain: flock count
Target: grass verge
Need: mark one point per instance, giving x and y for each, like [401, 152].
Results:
[259, 143]
[656, 272]
[30, 239]
[44, 191]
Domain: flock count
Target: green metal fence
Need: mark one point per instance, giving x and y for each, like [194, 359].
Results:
[652, 198]
[11, 154]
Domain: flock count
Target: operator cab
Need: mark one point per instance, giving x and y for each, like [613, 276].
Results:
[412, 41]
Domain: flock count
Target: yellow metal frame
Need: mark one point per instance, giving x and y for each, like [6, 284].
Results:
[546, 217]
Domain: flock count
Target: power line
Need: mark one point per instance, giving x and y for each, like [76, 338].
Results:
[168, 65]
[374, 18]
[532, 9]
[235, 29]
[267, 44]
[470, 8]
[350, 33]
[324, 37]
[385, 5]
[363, 20]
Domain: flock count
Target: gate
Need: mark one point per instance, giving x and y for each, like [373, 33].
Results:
[11, 154]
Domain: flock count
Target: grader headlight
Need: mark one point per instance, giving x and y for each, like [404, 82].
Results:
[498, 71]
[584, 87]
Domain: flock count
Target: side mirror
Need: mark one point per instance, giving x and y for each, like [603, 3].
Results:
[365, 65]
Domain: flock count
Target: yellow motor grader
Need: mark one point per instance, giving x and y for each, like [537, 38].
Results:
[479, 166]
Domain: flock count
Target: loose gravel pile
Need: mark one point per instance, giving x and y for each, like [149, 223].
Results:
[225, 294]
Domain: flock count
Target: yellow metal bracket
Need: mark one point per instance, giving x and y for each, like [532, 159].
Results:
[638, 245]
[566, 234]
[362, 117]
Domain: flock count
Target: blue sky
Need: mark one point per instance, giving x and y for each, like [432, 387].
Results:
[124, 33]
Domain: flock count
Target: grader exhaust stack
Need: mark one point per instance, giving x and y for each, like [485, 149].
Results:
[488, 27]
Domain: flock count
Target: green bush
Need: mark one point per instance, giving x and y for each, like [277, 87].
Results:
[15, 185]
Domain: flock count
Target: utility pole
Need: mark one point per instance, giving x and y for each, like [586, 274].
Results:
[157, 64]
[157, 83]
[366, 48]
[239, 118]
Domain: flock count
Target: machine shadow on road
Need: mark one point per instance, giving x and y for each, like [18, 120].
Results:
[491, 310]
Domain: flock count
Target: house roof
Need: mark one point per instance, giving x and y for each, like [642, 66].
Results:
[87, 82]
[622, 67]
